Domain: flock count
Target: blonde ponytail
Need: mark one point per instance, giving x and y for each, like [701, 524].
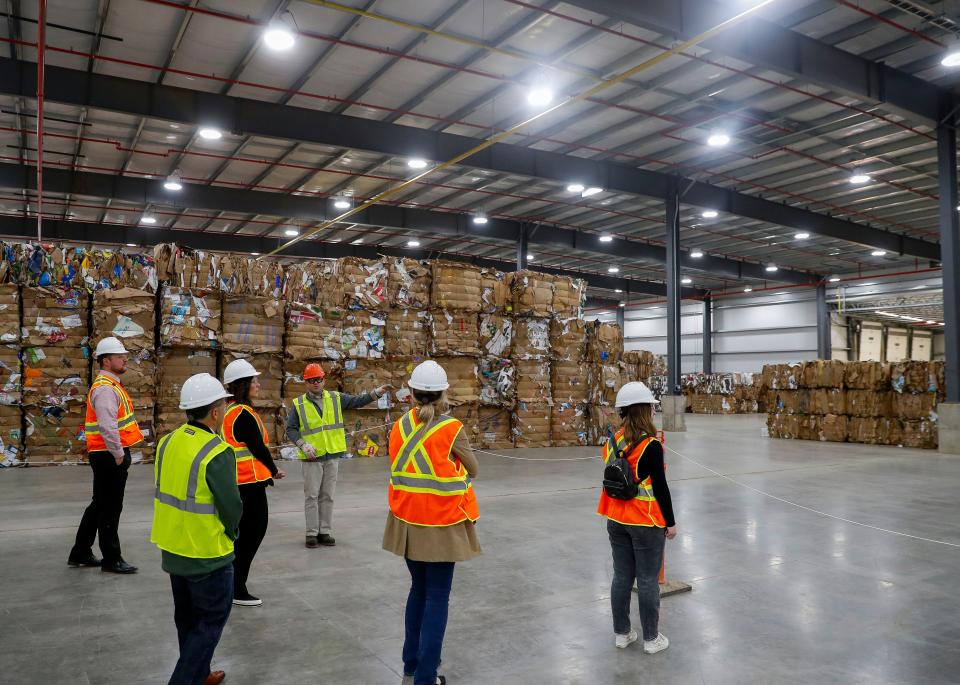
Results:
[427, 412]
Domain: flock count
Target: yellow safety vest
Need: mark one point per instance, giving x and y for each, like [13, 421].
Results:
[185, 520]
[324, 433]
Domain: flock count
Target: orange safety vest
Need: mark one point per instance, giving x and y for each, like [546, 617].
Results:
[428, 485]
[643, 510]
[126, 423]
[249, 468]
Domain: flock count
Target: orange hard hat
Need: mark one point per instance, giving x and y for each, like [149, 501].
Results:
[313, 370]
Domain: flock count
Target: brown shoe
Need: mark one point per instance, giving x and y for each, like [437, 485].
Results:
[312, 542]
[215, 678]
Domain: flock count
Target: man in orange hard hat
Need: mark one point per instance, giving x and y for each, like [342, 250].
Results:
[315, 425]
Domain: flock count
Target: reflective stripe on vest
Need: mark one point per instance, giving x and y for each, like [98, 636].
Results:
[423, 478]
[185, 519]
[249, 468]
[645, 487]
[324, 432]
[127, 426]
[643, 510]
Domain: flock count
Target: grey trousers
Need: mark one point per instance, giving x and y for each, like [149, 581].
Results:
[637, 555]
[319, 484]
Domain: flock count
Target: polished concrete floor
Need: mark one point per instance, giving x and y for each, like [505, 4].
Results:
[780, 595]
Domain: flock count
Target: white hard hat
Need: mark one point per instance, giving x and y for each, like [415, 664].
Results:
[200, 390]
[110, 345]
[635, 392]
[237, 369]
[429, 376]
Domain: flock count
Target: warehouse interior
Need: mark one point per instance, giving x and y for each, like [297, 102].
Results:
[749, 206]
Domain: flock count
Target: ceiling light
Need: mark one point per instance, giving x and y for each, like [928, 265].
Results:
[623, 304]
[772, 267]
[859, 179]
[835, 279]
[801, 236]
[417, 163]
[170, 136]
[718, 140]
[529, 257]
[748, 289]
[357, 241]
[341, 202]
[173, 181]
[134, 245]
[613, 269]
[696, 254]
[413, 243]
[210, 133]
[617, 290]
[952, 58]
[686, 280]
[576, 188]
[291, 232]
[878, 253]
[480, 219]
[278, 35]
[931, 321]
[255, 254]
[606, 238]
[538, 97]
[148, 219]
[591, 191]
[918, 287]
[710, 214]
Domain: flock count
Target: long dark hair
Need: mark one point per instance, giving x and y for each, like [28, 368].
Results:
[638, 423]
[240, 389]
[430, 404]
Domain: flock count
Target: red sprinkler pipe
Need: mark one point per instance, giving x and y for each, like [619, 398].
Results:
[41, 48]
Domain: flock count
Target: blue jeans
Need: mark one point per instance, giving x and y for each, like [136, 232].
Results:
[637, 554]
[201, 606]
[426, 618]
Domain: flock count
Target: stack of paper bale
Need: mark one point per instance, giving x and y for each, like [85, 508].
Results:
[531, 360]
[604, 348]
[56, 373]
[370, 425]
[569, 382]
[129, 314]
[917, 387]
[720, 393]
[497, 372]
[11, 386]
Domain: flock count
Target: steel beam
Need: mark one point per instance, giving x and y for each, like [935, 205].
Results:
[823, 323]
[707, 329]
[950, 245]
[771, 46]
[300, 207]
[523, 247]
[253, 117]
[673, 293]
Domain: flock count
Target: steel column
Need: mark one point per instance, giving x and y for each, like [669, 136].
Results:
[523, 247]
[673, 291]
[950, 252]
[707, 334]
[621, 319]
[823, 323]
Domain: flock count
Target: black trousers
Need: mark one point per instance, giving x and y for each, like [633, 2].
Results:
[253, 526]
[102, 515]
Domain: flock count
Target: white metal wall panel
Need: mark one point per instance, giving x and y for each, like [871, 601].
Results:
[898, 346]
[871, 342]
[921, 346]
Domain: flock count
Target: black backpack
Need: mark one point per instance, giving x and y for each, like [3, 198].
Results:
[619, 481]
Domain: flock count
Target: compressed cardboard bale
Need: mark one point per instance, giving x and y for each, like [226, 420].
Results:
[10, 329]
[11, 376]
[264, 278]
[914, 407]
[176, 366]
[532, 293]
[867, 375]
[533, 380]
[784, 426]
[408, 333]
[463, 378]
[361, 376]
[568, 340]
[456, 286]
[364, 283]
[604, 342]
[792, 402]
[604, 382]
[183, 267]
[410, 282]
[568, 424]
[11, 435]
[569, 294]
[455, 334]
[497, 381]
[469, 415]
[270, 367]
[531, 424]
[826, 400]
[809, 427]
[914, 377]
[253, 324]
[833, 428]
[494, 291]
[54, 316]
[570, 382]
[709, 404]
[368, 432]
[496, 335]
[55, 376]
[870, 403]
[603, 421]
[313, 332]
[822, 374]
[128, 314]
[938, 373]
[921, 434]
[531, 338]
[54, 434]
[781, 376]
[363, 335]
[494, 428]
[314, 282]
[872, 430]
[139, 378]
[190, 318]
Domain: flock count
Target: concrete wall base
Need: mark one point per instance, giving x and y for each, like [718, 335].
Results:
[674, 408]
[948, 425]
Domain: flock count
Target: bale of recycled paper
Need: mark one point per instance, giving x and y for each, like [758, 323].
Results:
[914, 377]
[313, 282]
[833, 428]
[494, 430]
[463, 378]
[568, 425]
[11, 436]
[497, 381]
[867, 375]
[408, 333]
[871, 430]
[54, 316]
[533, 380]
[823, 374]
[364, 283]
[604, 421]
[55, 376]
[494, 291]
[496, 335]
[54, 434]
[870, 403]
[368, 432]
[570, 382]
[604, 342]
[361, 376]
[604, 381]
[827, 400]
[190, 318]
[11, 376]
[531, 338]
[568, 340]
[253, 324]
[314, 332]
[363, 334]
[270, 367]
[456, 286]
[531, 424]
[183, 267]
[468, 415]
[10, 330]
[532, 293]
[921, 434]
[455, 334]
[127, 314]
[410, 283]
[914, 407]
[792, 401]
[569, 294]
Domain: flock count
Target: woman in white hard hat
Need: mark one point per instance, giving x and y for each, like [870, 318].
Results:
[432, 516]
[636, 502]
[245, 433]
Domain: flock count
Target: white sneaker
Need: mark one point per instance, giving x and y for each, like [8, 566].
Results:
[624, 641]
[658, 644]
[248, 601]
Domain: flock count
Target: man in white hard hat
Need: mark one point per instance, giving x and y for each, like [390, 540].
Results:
[196, 514]
[111, 430]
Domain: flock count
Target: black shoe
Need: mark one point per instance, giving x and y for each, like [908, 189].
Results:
[119, 567]
[245, 599]
[82, 562]
[312, 542]
[326, 540]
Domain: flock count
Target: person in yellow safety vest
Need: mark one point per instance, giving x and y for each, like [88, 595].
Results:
[639, 526]
[111, 430]
[245, 433]
[196, 514]
[433, 511]
[315, 425]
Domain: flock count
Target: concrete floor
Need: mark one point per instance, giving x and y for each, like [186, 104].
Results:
[780, 595]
